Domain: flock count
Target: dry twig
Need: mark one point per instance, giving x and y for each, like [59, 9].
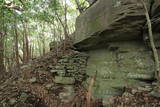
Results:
[89, 93]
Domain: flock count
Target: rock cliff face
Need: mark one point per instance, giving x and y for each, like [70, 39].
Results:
[111, 32]
[123, 64]
[113, 20]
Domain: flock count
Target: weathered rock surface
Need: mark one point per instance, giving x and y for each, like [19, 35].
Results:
[113, 20]
[122, 64]
[111, 32]
[110, 20]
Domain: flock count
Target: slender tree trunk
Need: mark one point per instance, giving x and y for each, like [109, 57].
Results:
[6, 57]
[32, 51]
[65, 17]
[39, 47]
[64, 24]
[2, 66]
[16, 43]
[154, 50]
[21, 58]
[43, 40]
[26, 42]
[44, 46]
[24, 48]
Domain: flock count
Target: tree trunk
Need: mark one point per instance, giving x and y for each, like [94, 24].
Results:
[39, 47]
[26, 41]
[24, 52]
[2, 66]
[151, 39]
[32, 50]
[16, 43]
[44, 47]
[65, 25]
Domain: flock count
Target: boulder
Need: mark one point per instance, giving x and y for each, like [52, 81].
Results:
[12, 101]
[68, 95]
[156, 92]
[64, 80]
[108, 21]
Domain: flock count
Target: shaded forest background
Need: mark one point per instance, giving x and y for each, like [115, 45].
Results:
[27, 28]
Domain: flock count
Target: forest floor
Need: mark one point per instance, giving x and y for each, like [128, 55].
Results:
[138, 97]
[33, 86]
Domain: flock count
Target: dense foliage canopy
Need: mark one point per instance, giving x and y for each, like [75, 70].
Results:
[28, 26]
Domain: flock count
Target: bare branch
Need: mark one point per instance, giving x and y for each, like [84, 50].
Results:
[154, 50]
[10, 5]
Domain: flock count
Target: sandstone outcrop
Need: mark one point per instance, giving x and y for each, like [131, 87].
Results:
[112, 33]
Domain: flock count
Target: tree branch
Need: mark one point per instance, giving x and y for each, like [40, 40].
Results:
[154, 50]
[12, 6]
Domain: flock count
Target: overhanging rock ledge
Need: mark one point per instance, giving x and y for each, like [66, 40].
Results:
[111, 32]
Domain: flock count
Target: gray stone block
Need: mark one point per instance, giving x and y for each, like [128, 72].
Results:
[64, 80]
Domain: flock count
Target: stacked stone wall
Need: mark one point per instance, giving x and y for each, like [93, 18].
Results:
[70, 73]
